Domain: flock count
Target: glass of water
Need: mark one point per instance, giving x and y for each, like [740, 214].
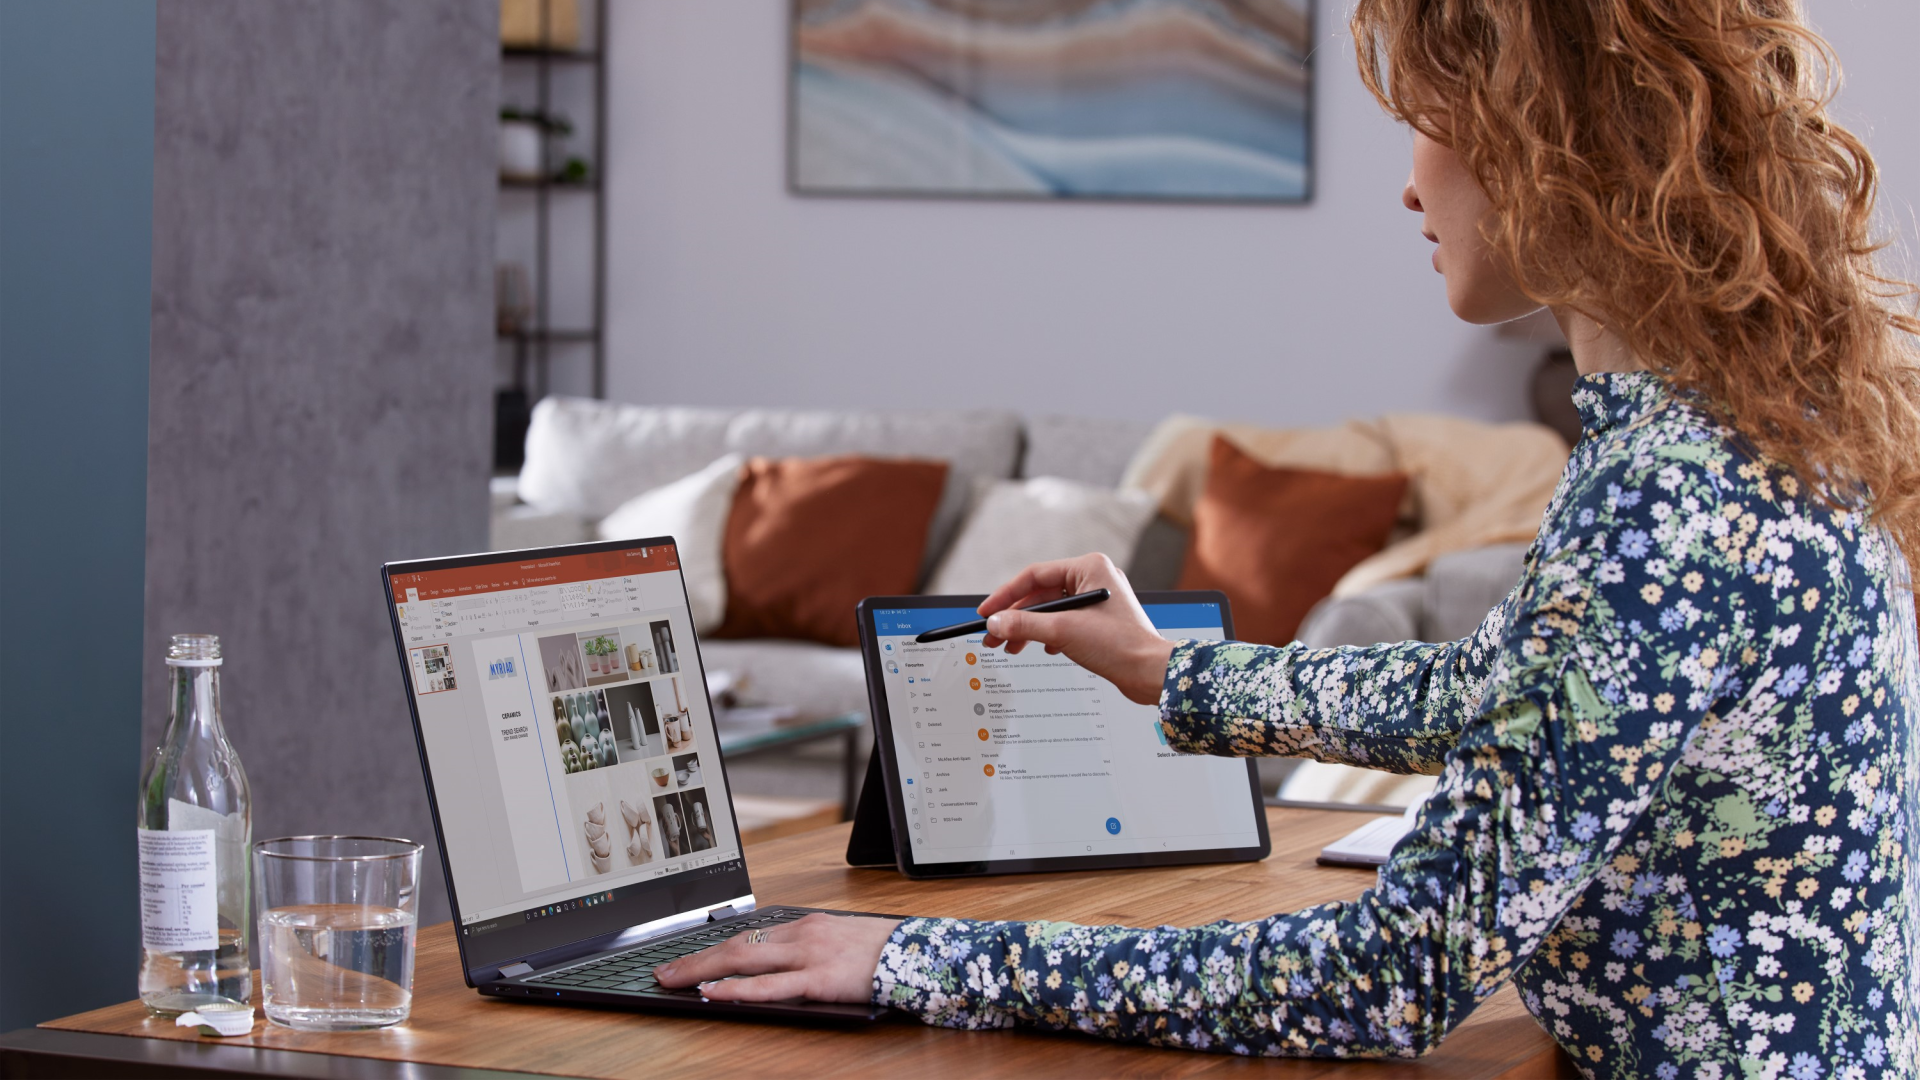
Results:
[336, 927]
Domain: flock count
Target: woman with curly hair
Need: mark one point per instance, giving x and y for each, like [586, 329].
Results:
[1679, 772]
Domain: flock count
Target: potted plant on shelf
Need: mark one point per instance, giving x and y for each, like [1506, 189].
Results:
[522, 132]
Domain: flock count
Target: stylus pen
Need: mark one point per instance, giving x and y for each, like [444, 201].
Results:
[979, 626]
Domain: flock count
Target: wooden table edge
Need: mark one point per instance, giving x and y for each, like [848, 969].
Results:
[55, 1054]
[74, 1039]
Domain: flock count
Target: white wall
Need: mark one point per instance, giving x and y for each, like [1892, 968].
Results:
[724, 289]
[1878, 43]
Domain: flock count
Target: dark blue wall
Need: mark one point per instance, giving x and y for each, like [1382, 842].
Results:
[76, 236]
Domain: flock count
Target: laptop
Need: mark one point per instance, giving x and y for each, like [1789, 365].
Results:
[578, 792]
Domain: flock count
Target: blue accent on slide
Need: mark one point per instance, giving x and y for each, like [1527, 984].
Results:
[894, 622]
[1113, 825]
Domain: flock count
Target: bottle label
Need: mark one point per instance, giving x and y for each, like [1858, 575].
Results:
[179, 891]
[229, 851]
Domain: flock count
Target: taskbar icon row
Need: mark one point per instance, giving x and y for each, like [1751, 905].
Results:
[565, 906]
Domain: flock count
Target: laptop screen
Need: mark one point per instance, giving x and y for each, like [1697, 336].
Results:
[569, 743]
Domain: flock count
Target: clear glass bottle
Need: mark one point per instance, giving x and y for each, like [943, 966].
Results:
[196, 822]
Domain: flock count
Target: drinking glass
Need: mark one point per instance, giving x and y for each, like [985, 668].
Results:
[336, 927]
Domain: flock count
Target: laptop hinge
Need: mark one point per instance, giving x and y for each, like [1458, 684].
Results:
[514, 971]
[724, 911]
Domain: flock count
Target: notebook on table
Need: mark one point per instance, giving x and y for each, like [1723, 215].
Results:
[1370, 844]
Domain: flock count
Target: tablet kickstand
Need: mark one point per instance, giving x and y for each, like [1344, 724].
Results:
[871, 843]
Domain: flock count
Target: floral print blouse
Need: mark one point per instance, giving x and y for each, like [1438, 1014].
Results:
[1676, 801]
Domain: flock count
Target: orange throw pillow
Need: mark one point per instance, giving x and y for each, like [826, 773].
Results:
[1275, 540]
[808, 538]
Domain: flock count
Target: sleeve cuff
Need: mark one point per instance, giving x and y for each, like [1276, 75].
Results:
[925, 969]
[1187, 718]
[904, 978]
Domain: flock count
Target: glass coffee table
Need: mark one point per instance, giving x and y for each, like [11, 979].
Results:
[747, 731]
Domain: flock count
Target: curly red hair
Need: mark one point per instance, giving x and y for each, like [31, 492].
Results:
[1669, 168]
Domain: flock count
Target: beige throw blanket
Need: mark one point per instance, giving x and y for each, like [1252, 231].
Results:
[1470, 483]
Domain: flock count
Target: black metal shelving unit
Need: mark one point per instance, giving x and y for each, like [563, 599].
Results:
[533, 344]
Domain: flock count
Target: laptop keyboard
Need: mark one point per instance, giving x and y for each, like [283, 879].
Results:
[632, 971]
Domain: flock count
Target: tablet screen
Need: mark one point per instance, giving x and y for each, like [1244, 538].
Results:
[1034, 757]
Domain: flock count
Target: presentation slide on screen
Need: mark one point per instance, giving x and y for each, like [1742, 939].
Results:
[1032, 756]
[603, 763]
[571, 745]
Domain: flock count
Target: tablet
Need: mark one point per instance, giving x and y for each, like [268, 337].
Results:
[997, 764]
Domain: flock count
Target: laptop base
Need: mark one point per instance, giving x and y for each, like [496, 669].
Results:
[624, 979]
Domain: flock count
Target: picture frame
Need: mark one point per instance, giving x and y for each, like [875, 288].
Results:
[1106, 100]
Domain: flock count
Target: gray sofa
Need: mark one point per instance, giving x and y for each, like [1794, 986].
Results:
[585, 458]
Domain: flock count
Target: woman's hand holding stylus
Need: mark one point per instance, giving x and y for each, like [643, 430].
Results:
[1115, 640]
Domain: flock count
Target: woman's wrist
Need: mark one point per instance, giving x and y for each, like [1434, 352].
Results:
[1150, 670]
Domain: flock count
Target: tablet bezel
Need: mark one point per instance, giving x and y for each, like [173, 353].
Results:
[896, 803]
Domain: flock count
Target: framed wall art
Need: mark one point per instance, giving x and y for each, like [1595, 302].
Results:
[1053, 99]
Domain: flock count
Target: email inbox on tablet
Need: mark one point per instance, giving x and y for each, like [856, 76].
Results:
[1032, 756]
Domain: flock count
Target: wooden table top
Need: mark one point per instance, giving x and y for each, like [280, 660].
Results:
[454, 1026]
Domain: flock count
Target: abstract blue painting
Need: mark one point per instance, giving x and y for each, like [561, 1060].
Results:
[1114, 99]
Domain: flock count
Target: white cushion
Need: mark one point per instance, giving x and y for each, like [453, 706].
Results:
[819, 680]
[1017, 522]
[693, 510]
[588, 457]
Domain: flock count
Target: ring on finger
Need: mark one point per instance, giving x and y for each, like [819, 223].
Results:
[755, 937]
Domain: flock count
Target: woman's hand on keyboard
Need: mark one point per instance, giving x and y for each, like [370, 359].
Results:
[1114, 640]
[819, 958]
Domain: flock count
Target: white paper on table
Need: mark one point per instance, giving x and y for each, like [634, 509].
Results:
[1370, 844]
